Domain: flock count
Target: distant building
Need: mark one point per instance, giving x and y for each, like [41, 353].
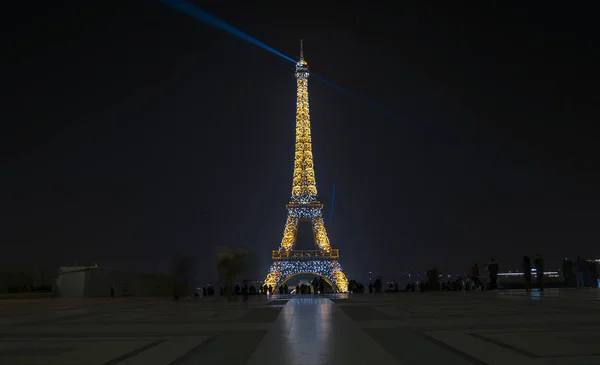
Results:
[93, 281]
[548, 274]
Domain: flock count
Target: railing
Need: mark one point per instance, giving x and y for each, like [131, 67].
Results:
[305, 254]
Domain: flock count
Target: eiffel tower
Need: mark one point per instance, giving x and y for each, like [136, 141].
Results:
[304, 206]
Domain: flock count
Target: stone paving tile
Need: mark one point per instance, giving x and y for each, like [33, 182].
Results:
[230, 348]
[406, 347]
[261, 315]
[364, 313]
[278, 302]
[547, 343]
[99, 352]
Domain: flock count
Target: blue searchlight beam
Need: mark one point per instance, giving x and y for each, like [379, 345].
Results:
[196, 12]
[200, 14]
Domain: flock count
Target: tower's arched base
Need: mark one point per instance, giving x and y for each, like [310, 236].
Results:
[330, 270]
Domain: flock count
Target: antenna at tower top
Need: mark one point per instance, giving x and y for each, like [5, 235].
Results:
[302, 50]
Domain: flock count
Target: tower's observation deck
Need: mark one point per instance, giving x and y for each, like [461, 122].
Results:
[306, 254]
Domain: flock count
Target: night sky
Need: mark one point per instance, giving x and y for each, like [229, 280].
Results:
[132, 131]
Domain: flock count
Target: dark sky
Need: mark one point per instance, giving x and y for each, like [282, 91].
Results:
[131, 132]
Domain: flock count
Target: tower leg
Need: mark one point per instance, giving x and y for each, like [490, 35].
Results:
[289, 233]
[320, 234]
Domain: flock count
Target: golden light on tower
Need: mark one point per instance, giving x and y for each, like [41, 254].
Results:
[304, 205]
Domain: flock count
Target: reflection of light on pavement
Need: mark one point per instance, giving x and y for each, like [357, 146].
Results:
[536, 294]
[310, 338]
[286, 321]
[325, 314]
[547, 293]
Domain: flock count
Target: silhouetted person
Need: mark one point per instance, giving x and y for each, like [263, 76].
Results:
[567, 270]
[579, 270]
[245, 291]
[432, 279]
[315, 285]
[593, 274]
[112, 292]
[475, 274]
[377, 285]
[588, 274]
[527, 272]
[493, 269]
[539, 266]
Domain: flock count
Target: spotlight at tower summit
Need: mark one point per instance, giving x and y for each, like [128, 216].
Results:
[304, 206]
[198, 13]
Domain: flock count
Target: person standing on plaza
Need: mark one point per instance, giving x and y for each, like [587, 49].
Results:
[493, 269]
[593, 275]
[567, 271]
[587, 275]
[475, 275]
[245, 290]
[539, 267]
[527, 272]
[579, 270]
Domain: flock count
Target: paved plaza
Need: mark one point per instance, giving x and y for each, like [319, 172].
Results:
[557, 327]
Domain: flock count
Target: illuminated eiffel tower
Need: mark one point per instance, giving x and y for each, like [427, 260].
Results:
[304, 206]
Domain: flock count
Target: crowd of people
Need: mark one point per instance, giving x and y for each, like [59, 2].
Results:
[579, 273]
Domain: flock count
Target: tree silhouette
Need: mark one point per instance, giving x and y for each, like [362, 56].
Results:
[231, 263]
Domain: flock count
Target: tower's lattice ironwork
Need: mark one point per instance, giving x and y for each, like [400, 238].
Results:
[304, 206]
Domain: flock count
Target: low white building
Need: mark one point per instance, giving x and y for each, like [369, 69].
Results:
[94, 281]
